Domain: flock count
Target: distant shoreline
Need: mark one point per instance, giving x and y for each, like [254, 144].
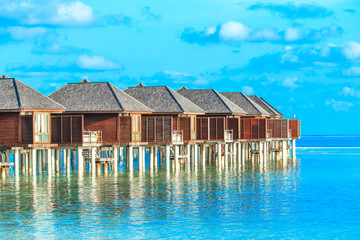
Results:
[340, 135]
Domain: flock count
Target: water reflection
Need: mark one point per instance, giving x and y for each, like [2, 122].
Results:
[130, 203]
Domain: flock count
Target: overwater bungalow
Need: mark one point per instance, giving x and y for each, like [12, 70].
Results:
[89, 122]
[25, 115]
[222, 119]
[25, 123]
[99, 109]
[173, 119]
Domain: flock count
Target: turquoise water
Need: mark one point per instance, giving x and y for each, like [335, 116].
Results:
[315, 197]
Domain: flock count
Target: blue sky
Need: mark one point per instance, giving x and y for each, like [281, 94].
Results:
[303, 56]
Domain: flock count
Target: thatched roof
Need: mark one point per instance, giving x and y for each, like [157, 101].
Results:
[270, 109]
[15, 95]
[211, 101]
[89, 96]
[163, 99]
[250, 107]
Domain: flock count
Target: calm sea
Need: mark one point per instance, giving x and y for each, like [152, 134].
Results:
[314, 197]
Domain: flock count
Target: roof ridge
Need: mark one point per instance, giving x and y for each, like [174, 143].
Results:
[222, 100]
[248, 99]
[17, 93]
[172, 95]
[271, 106]
[117, 99]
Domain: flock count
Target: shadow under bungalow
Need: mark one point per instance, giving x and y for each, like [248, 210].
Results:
[92, 126]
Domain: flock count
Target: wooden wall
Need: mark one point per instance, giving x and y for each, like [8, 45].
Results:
[233, 123]
[277, 128]
[210, 128]
[185, 127]
[294, 127]
[253, 128]
[66, 129]
[107, 123]
[124, 129]
[156, 129]
[27, 133]
[9, 129]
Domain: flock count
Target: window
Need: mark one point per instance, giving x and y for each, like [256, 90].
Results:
[136, 123]
[136, 128]
[41, 127]
[193, 127]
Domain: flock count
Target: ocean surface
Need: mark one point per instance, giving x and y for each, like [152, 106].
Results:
[315, 197]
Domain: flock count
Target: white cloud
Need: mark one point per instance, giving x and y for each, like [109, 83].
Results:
[351, 50]
[73, 13]
[22, 33]
[234, 31]
[247, 90]
[352, 92]
[290, 82]
[96, 63]
[353, 71]
[292, 34]
[339, 105]
[201, 81]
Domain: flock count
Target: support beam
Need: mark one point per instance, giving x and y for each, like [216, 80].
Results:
[176, 156]
[80, 161]
[68, 154]
[93, 160]
[167, 156]
[261, 152]
[188, 155]
[16, 162]
[49, 161]
[151, 157]
[293, 149]
[116, 158]
[203, 154]
[130, 158]
[33, 161]
[196, 155]
[219, 153]
[284, 151]
[155, 157]
[226, 154]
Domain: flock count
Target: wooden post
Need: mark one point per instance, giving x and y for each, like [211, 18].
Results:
[33, 161]
[219, 154]
[176, 156]
[203, 154]
[239, 153]
[80, 161]
[209, 154]
[196, 155]
[167, 156]
[188, 155]
[151, 157]
[155, 157]
[130, 159]
[226, 154]
[49, 161]
[65, 159]
[74, 160]
[116, 158]
[68, 153]
[16, 162]
[284, 152]
[93, 160]
[293, 149]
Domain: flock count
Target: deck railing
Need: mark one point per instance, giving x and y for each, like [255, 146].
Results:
[229, 137]
[92, 137]
[177, 137]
